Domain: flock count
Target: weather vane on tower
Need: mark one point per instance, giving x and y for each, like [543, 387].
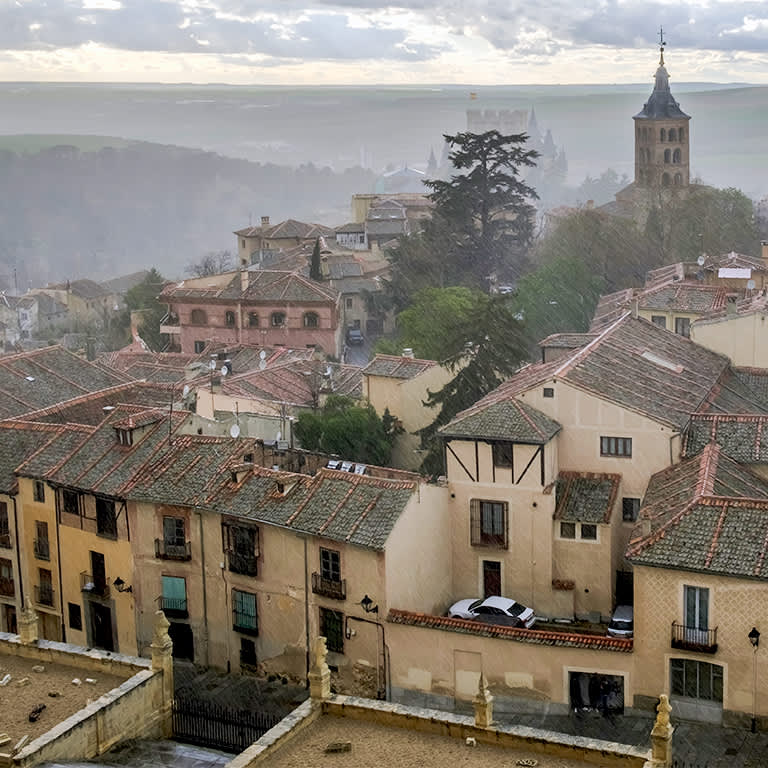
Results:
[661, 46]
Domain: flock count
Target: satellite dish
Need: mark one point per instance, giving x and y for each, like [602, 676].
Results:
[262, 355]
[224, 370]
[185, 391]
[262, 364]
[700, 261]
[234, 431]
[212, 365]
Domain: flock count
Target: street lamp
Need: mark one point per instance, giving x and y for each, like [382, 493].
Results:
[754, 638]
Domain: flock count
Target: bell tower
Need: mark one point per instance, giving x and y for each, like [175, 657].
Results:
[662, 136]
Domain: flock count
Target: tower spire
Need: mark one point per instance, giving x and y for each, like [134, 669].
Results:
[661, 46]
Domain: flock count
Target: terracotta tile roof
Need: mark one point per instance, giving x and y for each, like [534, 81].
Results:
[38, 379]
[737, 260]
[632, 363]
[508, 420]
[683, 297]
[733, 394]
[707, 514]
[743, 437]
[394, 367]
[290, 228]
[534, 636]
[756, 381]
[567, 340]
[263, 285]
[586, 497]
[748, 305]
[610, 307]
[83, 288]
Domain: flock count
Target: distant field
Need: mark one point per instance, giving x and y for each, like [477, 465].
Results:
[31, 143]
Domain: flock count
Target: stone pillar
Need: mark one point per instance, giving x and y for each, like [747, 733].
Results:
[661, 735]
[29, 631]
[162, 661]
[483, 702]
[319, 674]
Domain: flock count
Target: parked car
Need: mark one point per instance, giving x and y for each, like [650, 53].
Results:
[622, 622]
[355, 337]
[494, 610]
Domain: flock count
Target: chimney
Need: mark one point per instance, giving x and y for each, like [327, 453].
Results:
[264, 221]
[244, 280]
[645, 526]
[325, 270]
[408, 352]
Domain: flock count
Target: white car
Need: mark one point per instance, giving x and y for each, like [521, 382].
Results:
[494, 610]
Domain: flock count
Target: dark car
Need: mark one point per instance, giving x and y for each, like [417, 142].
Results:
[355, 337]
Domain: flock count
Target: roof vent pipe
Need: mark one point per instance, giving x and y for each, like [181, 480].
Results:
[408, 352]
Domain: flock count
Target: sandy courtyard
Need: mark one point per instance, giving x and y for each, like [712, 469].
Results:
[374, 746]
[16, 701]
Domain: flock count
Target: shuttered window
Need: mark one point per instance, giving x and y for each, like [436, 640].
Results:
[488, 523]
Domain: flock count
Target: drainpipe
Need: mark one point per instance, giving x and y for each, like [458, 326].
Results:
[205, 591]
[18, 549]
[58, 554]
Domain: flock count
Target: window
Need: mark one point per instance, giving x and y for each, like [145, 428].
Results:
[696, 601]
[174, 597]
[663, 134]
[665, 180]
[502, 454]
[242, 547]
[696, 679]
[106, 520]
[348, 302]
[244, 616]
[683, 326]
[332, 629]
[616, 446]
[659, 320]
[70, 501]
[247, 653]
[667, 156]
[278, 319]
[75, 616]
[311, 320]
[677, 156]
[5, 531]
[253, 320]
[678, 179]
[488, 521]
[589, 531]
[681, 134]
[173, 531]
[199, 347]
[549, 391]
[42, 545]
[629, 509]
[7, 588]
[44, 589]
[38, 492]
[567, 530]
[198, 317]
[330, 564]
[229, 318]
[242, 243]
[672, 134]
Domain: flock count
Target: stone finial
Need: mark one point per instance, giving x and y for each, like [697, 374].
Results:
[160, 636]
[29, 631]
[483, 703]
[661, 735]
[320, 674]
[162, 662]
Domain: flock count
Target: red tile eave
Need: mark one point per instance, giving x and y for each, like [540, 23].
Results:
[537, 636]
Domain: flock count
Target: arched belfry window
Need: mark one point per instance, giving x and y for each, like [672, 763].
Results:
[676, 156]
[665, 180]
[663, 134]
[667, 155]
[672, 134]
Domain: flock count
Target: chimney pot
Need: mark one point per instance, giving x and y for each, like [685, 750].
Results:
[265, 221]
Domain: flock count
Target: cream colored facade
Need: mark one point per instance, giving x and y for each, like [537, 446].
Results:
[671, 317]
[10, 582]
[741, 337]
[735, 607]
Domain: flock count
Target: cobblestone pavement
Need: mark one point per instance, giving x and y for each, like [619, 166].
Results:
[694, 745]
[152, 754]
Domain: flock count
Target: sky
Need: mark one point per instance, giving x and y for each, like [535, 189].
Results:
[363, 42]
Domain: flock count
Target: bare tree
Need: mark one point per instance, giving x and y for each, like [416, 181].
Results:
[213, 263]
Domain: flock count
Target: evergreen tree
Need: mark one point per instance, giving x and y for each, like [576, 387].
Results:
[314, 264]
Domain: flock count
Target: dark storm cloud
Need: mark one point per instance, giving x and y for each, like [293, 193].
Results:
[238, 27]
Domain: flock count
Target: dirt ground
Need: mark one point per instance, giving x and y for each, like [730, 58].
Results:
[16, 700]
[374, 746]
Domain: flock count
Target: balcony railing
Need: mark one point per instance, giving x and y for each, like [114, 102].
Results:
[694, 639]
[244, 564]
[5, 540]
[7, 587]
[44, 594]
[167, 551]
[175, 607]
[334, 588]
[247, 623]
[42, 549]
[91, 587]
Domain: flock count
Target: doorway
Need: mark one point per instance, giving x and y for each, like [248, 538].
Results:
[591, 691]
[9, 619]
[101, 626]
[183, 641]
[491, 578]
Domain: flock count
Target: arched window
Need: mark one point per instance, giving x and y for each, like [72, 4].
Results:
[648, 156]
[678, 179]
[672, 134]
[277, 319]
[667, 155]
[645, 133]
[197, 317]
[253, 320]
[665, 180]
[229, 318]
[676, 156]
[681, 134]
[663, 134]
[311, 320]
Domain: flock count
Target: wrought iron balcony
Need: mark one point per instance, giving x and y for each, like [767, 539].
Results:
[44, 594]
[247, 623]
[686, 638]
[167, 551]
[5, 540]
[334, 588]
[175, 607]
[244, 564]
[7, 587]
[91, 587]
[42, 549]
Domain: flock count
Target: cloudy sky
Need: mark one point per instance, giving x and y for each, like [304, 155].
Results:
[373, 41]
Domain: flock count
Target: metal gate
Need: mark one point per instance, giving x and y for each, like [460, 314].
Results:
[226, 728]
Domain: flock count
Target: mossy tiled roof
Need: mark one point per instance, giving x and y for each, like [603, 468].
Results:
[396, 367]
[586, 497]
[743, 437]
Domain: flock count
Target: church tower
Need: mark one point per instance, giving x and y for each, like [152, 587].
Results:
[662, 156]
